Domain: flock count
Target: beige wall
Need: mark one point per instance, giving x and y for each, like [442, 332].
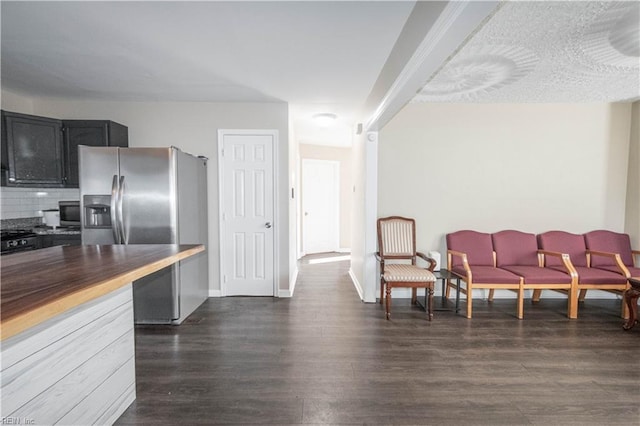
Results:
[192, 127]
[343, 156]
[488, 167]
[632, 221]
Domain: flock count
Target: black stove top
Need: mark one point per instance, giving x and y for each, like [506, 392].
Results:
[10, 234]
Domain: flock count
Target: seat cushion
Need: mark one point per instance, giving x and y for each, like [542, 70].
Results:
[597, 276]
[515, 248]
[635, 272]
[537, 275]
[489, 275]
[407, 273]
[563, 242]
[476, 245]
[611, 242]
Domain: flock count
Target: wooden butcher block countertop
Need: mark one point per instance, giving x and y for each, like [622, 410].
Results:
[40, 284]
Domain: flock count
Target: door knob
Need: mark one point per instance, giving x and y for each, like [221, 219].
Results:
[267, 225]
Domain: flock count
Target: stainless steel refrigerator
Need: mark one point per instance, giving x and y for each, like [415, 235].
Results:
[149, 196]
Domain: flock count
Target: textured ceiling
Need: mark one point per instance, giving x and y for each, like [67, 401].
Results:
[546, 52]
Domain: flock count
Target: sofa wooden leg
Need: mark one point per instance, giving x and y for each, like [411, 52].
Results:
[536, 295]
[583, 294]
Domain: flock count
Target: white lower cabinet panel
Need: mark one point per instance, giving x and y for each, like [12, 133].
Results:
[62, 373]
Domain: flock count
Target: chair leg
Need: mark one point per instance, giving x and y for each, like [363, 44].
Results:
[448, 289]
[381, 291]
[414, 295]
[388, 302]
[583, 294]
[572, 304]
[491, 290]
[625, 308]
[430, 302]
[521, 302]
[469, 300]
[536, 295]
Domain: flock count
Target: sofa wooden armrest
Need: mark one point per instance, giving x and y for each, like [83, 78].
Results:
[566, 261]
[463, 257]
[615, 256]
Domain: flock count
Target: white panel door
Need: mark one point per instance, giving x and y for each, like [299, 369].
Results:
[247, 214]
[320, 205]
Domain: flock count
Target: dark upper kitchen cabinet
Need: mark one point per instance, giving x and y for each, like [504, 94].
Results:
[32, 151]
[43, 152]
[92, 133]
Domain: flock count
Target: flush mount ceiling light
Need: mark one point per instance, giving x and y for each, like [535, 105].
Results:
[325, 119]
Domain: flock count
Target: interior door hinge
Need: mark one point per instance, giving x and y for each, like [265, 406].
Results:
[224, 278]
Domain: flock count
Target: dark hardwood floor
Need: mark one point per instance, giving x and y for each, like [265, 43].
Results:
[324, 357]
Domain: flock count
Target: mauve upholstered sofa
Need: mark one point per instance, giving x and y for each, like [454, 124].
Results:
[555, 260]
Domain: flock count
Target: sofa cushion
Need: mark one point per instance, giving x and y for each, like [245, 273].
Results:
[476, 245]
[611, 242]
[515, 248]
[489, 275]
[596, 276]
[537, 275]
[635, 272]
[563, 242]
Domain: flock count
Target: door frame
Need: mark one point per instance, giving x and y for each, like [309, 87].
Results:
[276, 214]
[336, 170]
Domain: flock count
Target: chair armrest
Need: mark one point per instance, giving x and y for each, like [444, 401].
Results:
[463, 257]
[566, 261]
[615, 256]
[432, 262]
[380, 260]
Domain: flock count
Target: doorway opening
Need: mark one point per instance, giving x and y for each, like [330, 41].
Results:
[320, 206]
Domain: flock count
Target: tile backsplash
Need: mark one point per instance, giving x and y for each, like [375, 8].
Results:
[29, 202]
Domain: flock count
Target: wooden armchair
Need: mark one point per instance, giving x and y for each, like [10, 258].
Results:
[518, 252]
[396, 242]
[470, 256]
[612, 251]
[589, 278]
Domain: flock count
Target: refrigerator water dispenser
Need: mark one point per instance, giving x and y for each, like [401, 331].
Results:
[97, 211]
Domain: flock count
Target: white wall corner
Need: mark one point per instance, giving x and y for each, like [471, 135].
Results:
[371, 215]
[215, 293]
[292, 285]
[356, 284]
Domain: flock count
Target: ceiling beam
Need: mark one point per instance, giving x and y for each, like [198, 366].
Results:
[431, 35]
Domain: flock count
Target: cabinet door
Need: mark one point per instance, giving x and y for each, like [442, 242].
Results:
[34, 151]
[90, 133]
[81, 132]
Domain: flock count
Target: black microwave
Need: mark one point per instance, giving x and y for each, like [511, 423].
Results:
[69, 213]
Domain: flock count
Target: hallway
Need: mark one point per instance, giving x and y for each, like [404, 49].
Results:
[324, 357]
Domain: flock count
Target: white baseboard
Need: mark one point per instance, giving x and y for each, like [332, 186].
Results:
[292, 286]
[356, 284]
[215, 293]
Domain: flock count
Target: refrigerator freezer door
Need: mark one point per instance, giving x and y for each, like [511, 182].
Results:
[97, 168]
[148, 196]
[148, 206]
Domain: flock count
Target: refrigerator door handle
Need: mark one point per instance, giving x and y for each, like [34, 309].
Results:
[114, 214]
[123, 237]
